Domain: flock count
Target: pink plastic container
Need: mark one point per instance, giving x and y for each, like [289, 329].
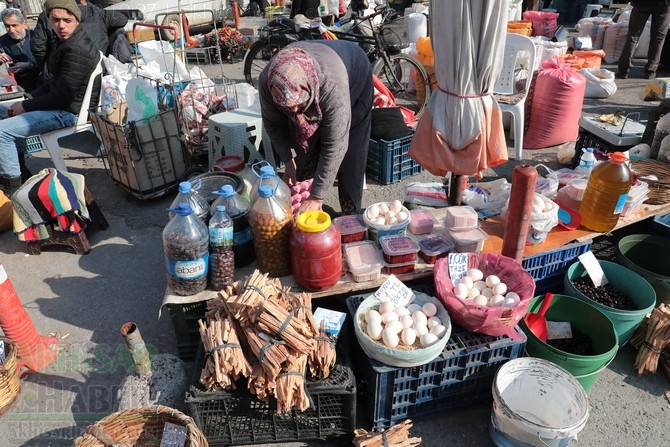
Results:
[460, 217]
[364, 260]
[434, 247]
[421, 222]
[352, 228]
[398, 249]
[470, 240]
[399, 269]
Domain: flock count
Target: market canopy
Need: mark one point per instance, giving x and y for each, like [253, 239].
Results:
[461, 130]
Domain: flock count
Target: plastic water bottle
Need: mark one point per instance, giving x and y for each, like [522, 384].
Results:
[267, 176]
[606, 194]
[586, 162]
[187, 194]
[186, 249]
[237, 207]
[221, 256]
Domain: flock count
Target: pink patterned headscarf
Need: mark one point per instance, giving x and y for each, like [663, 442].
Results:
[293, 81]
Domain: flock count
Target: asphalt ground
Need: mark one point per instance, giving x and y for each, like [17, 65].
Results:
[83, 300]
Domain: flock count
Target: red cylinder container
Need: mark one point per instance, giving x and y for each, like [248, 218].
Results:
[316, 257]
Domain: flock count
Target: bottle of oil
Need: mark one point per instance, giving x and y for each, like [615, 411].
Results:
[606, 194]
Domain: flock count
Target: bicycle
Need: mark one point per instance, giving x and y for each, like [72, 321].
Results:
[402, 74]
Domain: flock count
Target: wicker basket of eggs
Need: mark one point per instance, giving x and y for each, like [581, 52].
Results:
[403, 336]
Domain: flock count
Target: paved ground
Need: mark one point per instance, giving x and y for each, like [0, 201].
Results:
[85, 300]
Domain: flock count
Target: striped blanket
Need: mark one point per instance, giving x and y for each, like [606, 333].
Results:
[53, 198]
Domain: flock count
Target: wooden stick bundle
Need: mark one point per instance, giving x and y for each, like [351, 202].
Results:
[323, 358]
[260, 383]
[270, 353]
[396, 436]
[256, 289]
[656, 339]
[301, 307]
[291, 385]
[278, 322]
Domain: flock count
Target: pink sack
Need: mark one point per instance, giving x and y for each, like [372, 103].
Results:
[486, 320]
[553, 111]
[544, 23]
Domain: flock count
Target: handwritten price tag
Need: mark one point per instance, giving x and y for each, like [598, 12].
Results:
[395, 291]
[458, 265]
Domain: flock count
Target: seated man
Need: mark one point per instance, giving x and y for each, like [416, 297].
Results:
[15, 49]
[54, 104]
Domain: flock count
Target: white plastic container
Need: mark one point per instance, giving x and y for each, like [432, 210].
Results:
[364, 261]
[460, 217]
[470, 240]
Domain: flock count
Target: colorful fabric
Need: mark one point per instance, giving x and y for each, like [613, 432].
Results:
[293, 81]
[50, 197]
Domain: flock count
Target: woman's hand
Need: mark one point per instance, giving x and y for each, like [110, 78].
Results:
[310, 204]
[289, 172]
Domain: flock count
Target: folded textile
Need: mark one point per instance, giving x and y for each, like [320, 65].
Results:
[50, 197]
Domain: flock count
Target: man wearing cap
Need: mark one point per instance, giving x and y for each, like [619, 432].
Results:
[54, 104]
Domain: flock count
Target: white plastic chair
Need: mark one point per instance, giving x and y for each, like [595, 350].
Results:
[51, 138]
[504, 91]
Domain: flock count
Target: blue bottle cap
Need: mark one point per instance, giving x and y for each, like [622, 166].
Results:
[183, 209]
[184, 186]
[220, 208]
[227, 191]
[265, 190]
[267, 170]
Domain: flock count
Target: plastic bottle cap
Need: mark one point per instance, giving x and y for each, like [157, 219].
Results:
[267, 170]
[619, 157]
[185, 187]
[227, 191]
[220, 208]
[183, 209]
[265, 190]
[589, 149]
[313, 221]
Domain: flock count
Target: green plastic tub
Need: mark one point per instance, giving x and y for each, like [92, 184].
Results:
[649, 256]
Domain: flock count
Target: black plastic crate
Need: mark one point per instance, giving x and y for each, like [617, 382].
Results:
[237, 417]
[389, 161]
[185, 322]
[461, 375]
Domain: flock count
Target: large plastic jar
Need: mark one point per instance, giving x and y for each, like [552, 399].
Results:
[316, 257]
[236, 165]
[606, 194]
[189, 194]
[268, 176]
[271, 222]
[186, 248]
[237, 207]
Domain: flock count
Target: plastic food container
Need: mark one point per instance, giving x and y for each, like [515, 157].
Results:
[352, 228]
[398, 249]
[421, 222]
[460, 217]
[433, 247]
[375, 231]
[470, 240]
[399, 269]
[364, 261]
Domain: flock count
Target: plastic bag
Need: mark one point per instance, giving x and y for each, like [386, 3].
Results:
[142, 99]
[486, 320]
[600, 83]
[428, 194]
[546, 185]
[543, 218]
[614, 41]
[595, 28]
[544, 23]
[163, 54]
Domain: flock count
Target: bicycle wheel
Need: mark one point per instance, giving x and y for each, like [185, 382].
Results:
[258, 56]
[406, 78]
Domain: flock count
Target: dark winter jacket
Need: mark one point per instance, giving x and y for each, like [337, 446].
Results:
[20, 53]
[70, 64]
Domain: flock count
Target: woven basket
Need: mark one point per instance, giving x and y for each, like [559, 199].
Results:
[139, 427]
[9, 377]
[659, 190]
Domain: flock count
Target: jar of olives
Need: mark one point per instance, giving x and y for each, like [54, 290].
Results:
[186, 248]
[271, 223]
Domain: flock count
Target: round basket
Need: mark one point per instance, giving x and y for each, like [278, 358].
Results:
[659, 190]
[9, 377]
[139, 427]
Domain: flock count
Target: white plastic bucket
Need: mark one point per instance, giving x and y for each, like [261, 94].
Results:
[536, 403]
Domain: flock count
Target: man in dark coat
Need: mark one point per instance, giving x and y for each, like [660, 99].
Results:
[55, 103]
[15, 49]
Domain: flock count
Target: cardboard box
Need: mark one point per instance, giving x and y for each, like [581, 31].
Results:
[141, 35]
[658, 88]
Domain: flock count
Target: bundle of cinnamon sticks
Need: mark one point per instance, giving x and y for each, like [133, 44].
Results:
[396, 436]
[656, 339]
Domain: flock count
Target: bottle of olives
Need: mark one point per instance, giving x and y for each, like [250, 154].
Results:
[221, 257]
[237, 207]
[186, 248]
[271, 223]
[189, 194]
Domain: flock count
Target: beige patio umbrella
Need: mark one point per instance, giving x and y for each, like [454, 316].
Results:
[461, 131]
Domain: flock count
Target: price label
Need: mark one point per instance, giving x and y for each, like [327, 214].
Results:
[458, 265]
[173, 435]
[395, 291]
[593, 268]
[558, 330]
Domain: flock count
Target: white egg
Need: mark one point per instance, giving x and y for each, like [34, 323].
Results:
[420, 318]
[387, 317]
[461, 291]
[386, 306]
[391, 220]
[510, 302]
[402, 216]
[394, 326]
[467, 282]
[375, 331]
[383, 208]
[373, 317]
[492, 280]
[538, 201]
[413, 308]
[406, 321]
[475, 274]
[479, 285]
[420, 329]
[513, 295]
[473, 293]
[379, 221]
[390, 338]
[481, 300]
[395, 206]
[534, 209]
[429, 309]
[433, 321]
[438, 330]
[428, 339]
[401, 310]
[500, 288]
[373, 212]
[390, 214]
[408, 336]
[497, 300]
[488, 293]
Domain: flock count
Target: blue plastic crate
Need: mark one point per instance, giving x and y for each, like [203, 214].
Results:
[660, 225]
[31, 144]
[555, 262]
[461, 375]
[389, 161]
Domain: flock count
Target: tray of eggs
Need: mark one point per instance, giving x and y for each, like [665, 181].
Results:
[403, 336]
